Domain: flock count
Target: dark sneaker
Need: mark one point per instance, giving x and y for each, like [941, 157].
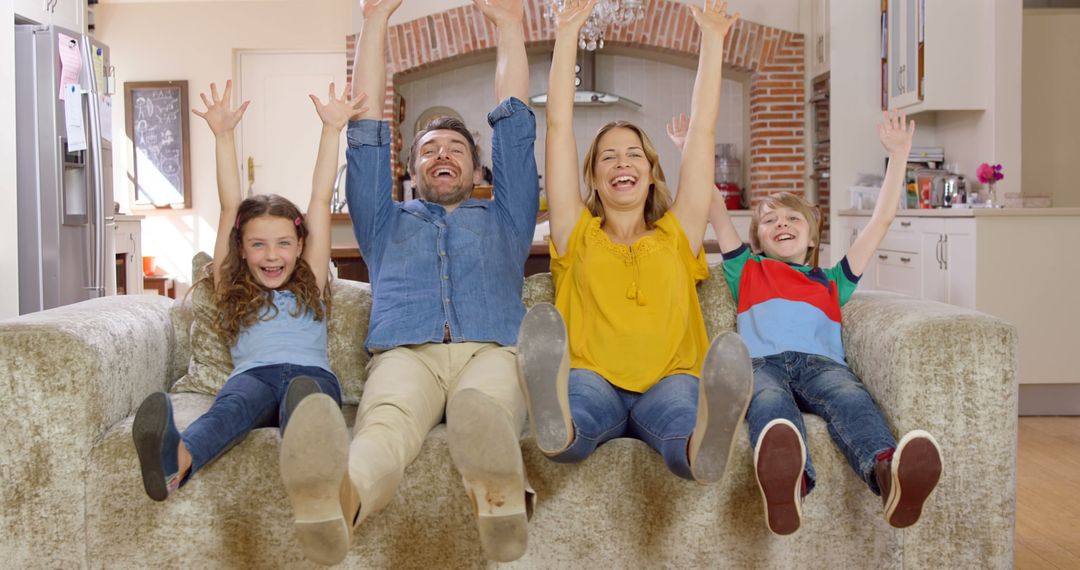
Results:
[908, 479]
[544, 373]
[727, 383]
[314, 469]
[484, 446]
[157, 443]
[299, 388]
[779, 460]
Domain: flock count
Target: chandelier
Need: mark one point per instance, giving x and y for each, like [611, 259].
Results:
[605, 13]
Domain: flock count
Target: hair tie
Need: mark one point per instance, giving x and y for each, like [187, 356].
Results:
[237, 222]
[297, 221]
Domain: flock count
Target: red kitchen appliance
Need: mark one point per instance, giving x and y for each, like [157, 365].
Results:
[728, 173]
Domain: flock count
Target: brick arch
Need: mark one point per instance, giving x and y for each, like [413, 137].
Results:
[772, 58]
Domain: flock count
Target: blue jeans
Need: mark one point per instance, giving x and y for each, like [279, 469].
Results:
[663, 417]
[249, 400]
[789, 383]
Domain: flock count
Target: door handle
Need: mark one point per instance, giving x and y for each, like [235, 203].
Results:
[251, 175]
[945, 251]
[905, 224]
[882, 257]
[937, 253]
[905, 259]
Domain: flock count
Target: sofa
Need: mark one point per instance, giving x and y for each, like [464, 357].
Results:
[71, 379]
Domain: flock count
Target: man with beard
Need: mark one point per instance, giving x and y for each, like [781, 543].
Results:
[446, 276]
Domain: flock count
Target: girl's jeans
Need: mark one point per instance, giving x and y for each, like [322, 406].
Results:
[789, 383]
[663, 417]
[249, 400]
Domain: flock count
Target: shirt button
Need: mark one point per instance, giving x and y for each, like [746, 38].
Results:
[442, 253]
[446, 300]
[445, 277]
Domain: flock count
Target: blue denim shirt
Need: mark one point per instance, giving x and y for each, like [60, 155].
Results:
[430, 269]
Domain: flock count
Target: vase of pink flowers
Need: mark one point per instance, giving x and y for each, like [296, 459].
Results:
[988, 174]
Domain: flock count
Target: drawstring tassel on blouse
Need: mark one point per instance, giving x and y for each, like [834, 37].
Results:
[633, 292]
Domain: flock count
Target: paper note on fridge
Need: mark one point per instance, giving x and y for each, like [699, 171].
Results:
[105, 110]
[70, 62]
[73, 117]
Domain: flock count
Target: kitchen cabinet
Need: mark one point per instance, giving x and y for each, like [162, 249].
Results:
[819, 37]
[935, 54]
[127, 243]
[70, 14]
[1013, 263]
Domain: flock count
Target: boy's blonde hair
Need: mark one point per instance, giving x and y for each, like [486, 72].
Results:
[797, 203]
[659, 200]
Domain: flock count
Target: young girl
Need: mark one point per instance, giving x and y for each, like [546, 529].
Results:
[789, 316]
[270, 287]
[631, 360]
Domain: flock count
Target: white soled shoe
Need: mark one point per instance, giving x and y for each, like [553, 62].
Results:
[727, 383]
[544, 373]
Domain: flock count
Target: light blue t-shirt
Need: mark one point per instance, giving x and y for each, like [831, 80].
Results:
[281, 338]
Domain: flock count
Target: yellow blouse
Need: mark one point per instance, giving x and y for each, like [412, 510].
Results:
[631, 312]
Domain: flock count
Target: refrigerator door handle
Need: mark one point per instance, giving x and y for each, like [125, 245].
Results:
[96, 185]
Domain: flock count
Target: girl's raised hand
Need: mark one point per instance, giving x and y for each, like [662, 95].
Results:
[677, 128]
[713, 18]
[896, 132]
[378, 7]
[218, 114]
[573, 15]
[338, 110]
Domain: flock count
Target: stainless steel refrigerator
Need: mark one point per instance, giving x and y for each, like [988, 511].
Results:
[64, 167]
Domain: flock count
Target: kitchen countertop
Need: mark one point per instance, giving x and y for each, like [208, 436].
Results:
[969, 212]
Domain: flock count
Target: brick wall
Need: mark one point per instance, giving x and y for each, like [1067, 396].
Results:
[772, 58]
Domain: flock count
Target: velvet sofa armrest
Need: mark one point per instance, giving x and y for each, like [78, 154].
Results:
[66, 376]
[952, 372]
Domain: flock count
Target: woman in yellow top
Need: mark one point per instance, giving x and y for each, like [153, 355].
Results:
[625, 262]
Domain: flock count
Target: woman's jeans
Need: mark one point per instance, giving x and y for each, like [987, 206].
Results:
[663, 417]
[789, 383]
[249, 400]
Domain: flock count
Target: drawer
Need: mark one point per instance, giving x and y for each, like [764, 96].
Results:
[903, 236]
[898, 271]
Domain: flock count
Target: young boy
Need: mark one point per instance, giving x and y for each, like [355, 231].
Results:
[789, 317]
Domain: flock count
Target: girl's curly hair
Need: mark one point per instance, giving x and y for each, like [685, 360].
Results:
[239, 297]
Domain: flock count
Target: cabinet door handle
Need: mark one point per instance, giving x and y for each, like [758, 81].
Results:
[882, 257]
[937, 253]
[905, 259]
[945, 252]
[905, 224]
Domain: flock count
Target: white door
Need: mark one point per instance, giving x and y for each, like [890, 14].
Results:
[959, 253]
[280, 132]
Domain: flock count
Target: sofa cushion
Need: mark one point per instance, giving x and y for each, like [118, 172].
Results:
[211, 362]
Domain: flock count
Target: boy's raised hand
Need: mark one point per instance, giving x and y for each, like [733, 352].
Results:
[501, 12]
[573, 15]
[338, 110]
[218, 114]
[713, 18]
[677, 128]
[896, 132]
[383, 8]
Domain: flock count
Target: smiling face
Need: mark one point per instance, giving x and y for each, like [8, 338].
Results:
[784, 233]
[443, 168]
[621, 171]
[270, 247]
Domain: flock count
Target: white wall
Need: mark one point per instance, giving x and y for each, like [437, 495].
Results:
[469, 91]
[196, 41]
[9, 220]
[1051, 80]
[783, 14]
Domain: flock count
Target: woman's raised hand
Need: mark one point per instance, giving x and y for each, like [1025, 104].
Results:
[713, 18]
[573, 15]
[218, 115]
[338, 110]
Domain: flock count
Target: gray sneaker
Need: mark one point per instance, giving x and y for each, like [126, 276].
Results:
[544, 373]
[727, 383]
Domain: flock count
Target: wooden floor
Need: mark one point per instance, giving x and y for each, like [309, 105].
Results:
[1048, 493]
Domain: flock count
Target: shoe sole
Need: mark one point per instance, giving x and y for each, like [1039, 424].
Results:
[544, 374]
[314, 462]
[484, 446]
[779, 460]
[727, 383]
[148, 431]
[916, 469]
[300, 388]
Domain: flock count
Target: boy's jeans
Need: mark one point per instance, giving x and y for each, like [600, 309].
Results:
[252, 399]
[790, 382]
[663, 417]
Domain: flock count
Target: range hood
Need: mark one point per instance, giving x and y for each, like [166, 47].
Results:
[586, 94]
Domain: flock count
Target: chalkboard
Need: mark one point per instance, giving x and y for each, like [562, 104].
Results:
[157, 126]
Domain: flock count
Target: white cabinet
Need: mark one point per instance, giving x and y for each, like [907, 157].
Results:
[935, 54]
[819, 37]
[70, 14]
[127, 243]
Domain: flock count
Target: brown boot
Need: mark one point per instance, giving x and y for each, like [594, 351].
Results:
[908, 478]
[779, 461]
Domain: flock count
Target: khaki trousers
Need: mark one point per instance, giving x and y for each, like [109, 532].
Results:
[405, 396]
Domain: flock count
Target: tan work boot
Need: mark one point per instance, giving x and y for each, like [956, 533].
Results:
[727, 383]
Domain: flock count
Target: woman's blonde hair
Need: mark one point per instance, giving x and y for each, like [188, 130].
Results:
[797, 203]
[239, 296]
[659, 200]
